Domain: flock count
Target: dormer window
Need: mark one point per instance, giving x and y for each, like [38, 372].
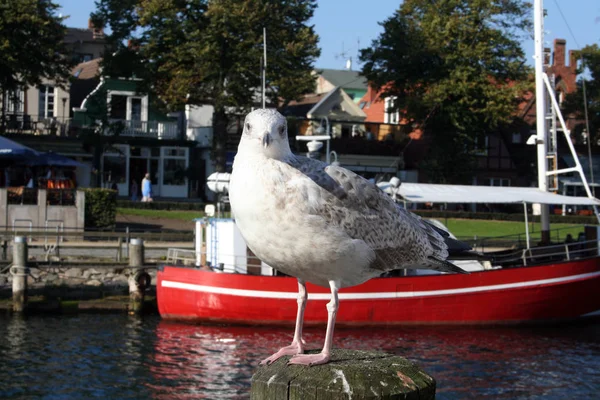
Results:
[391, 115]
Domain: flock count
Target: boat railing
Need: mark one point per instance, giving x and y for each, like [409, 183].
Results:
[223, 263]
[181, 256]
[516, 240]
[543, 254]
[560, 252]
[251, 264]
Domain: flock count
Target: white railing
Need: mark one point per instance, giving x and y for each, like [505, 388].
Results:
[192, 257]
[148, 129]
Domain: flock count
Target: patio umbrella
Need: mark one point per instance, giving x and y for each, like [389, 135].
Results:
[11, 150]
[56, 160]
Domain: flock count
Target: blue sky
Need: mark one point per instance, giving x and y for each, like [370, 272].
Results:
[344, 25]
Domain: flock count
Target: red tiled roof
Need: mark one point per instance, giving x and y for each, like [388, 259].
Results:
[87, 70]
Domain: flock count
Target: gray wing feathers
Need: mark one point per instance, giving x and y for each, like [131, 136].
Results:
[350, 202]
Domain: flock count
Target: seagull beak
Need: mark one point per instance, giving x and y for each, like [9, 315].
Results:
[266, 140]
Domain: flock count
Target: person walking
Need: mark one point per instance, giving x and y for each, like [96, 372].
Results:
[133, 190]
[146, 188]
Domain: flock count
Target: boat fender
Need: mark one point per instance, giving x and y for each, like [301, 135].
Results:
[143, 280]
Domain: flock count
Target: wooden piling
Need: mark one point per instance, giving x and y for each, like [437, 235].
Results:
[136, 253]
[138, 280]
[119, 249]
[19, 272]
[351, 374]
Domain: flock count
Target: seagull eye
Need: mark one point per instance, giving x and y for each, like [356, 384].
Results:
[281, 130]
[248, 127]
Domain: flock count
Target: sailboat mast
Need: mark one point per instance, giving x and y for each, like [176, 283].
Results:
[264, 67]
[541, 124]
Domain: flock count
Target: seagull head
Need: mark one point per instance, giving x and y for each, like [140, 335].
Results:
[265, 132]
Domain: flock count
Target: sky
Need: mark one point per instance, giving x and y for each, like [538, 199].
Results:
[344, 26]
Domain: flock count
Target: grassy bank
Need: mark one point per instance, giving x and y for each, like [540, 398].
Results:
[168, 214]
[459, 227]
[484, 228]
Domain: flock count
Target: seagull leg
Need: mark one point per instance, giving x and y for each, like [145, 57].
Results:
[325, 354]
[297, 346]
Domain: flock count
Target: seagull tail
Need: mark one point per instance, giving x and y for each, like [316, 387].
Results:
[445, 266]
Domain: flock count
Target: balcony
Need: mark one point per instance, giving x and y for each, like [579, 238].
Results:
[144, 129]
[20, 123]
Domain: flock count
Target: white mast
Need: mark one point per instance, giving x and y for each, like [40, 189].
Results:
[264, 64]
[542, 83]
[540, 112]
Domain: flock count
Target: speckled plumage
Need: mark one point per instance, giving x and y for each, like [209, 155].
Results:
[317, 222]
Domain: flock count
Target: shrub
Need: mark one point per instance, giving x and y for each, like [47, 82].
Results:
[100, 208]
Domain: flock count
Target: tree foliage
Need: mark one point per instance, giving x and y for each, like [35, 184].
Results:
[31, 45]
[574, 102]
[209, 52]
[454, 67]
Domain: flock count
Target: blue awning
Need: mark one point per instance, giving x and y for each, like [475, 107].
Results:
[10, 149]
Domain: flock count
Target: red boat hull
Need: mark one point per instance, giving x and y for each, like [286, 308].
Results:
[559, 291]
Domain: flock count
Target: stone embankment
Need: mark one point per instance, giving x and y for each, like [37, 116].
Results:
[24, 278]
[110, 277]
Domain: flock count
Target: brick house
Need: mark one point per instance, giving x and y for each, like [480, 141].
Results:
[507, 160]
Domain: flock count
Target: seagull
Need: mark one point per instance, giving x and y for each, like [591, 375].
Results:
[322, 224]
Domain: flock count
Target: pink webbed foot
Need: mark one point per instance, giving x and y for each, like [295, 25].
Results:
[310, 359]
[291, 350]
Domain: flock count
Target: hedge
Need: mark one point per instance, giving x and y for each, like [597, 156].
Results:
[100, 208]
[162, 205]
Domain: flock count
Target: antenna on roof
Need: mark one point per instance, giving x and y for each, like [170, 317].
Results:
[346, 54]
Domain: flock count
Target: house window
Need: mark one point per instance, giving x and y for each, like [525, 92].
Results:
[82, 57]
[118, 107]
[125, 105]
[174, 166]
[174, 171]
[496, 182]
[481, 146]
[136, 108]
[14, 102]
[46, 102]
[391, 115]
[115, 169]
[516, 137]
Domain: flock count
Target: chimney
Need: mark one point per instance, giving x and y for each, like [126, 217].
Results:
[573, 58]
[97, 33]
[559, 52]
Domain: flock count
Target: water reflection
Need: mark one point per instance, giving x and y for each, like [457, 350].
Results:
[116, 356]
[205, 361]
[471, 362]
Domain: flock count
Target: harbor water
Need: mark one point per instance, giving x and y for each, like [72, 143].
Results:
[123, 357]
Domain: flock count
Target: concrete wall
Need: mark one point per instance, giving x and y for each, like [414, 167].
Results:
[42, 214]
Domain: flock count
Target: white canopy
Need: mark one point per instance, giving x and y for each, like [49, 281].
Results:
[430, 193]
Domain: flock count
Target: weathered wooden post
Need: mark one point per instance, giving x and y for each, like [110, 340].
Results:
[19, 272]
[351, 374]
[138, 279]
[119, 249]
[136, 253]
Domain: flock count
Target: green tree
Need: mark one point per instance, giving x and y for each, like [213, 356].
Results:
[574, 102]
[31, 47]
[456, 69]
[209, 52]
